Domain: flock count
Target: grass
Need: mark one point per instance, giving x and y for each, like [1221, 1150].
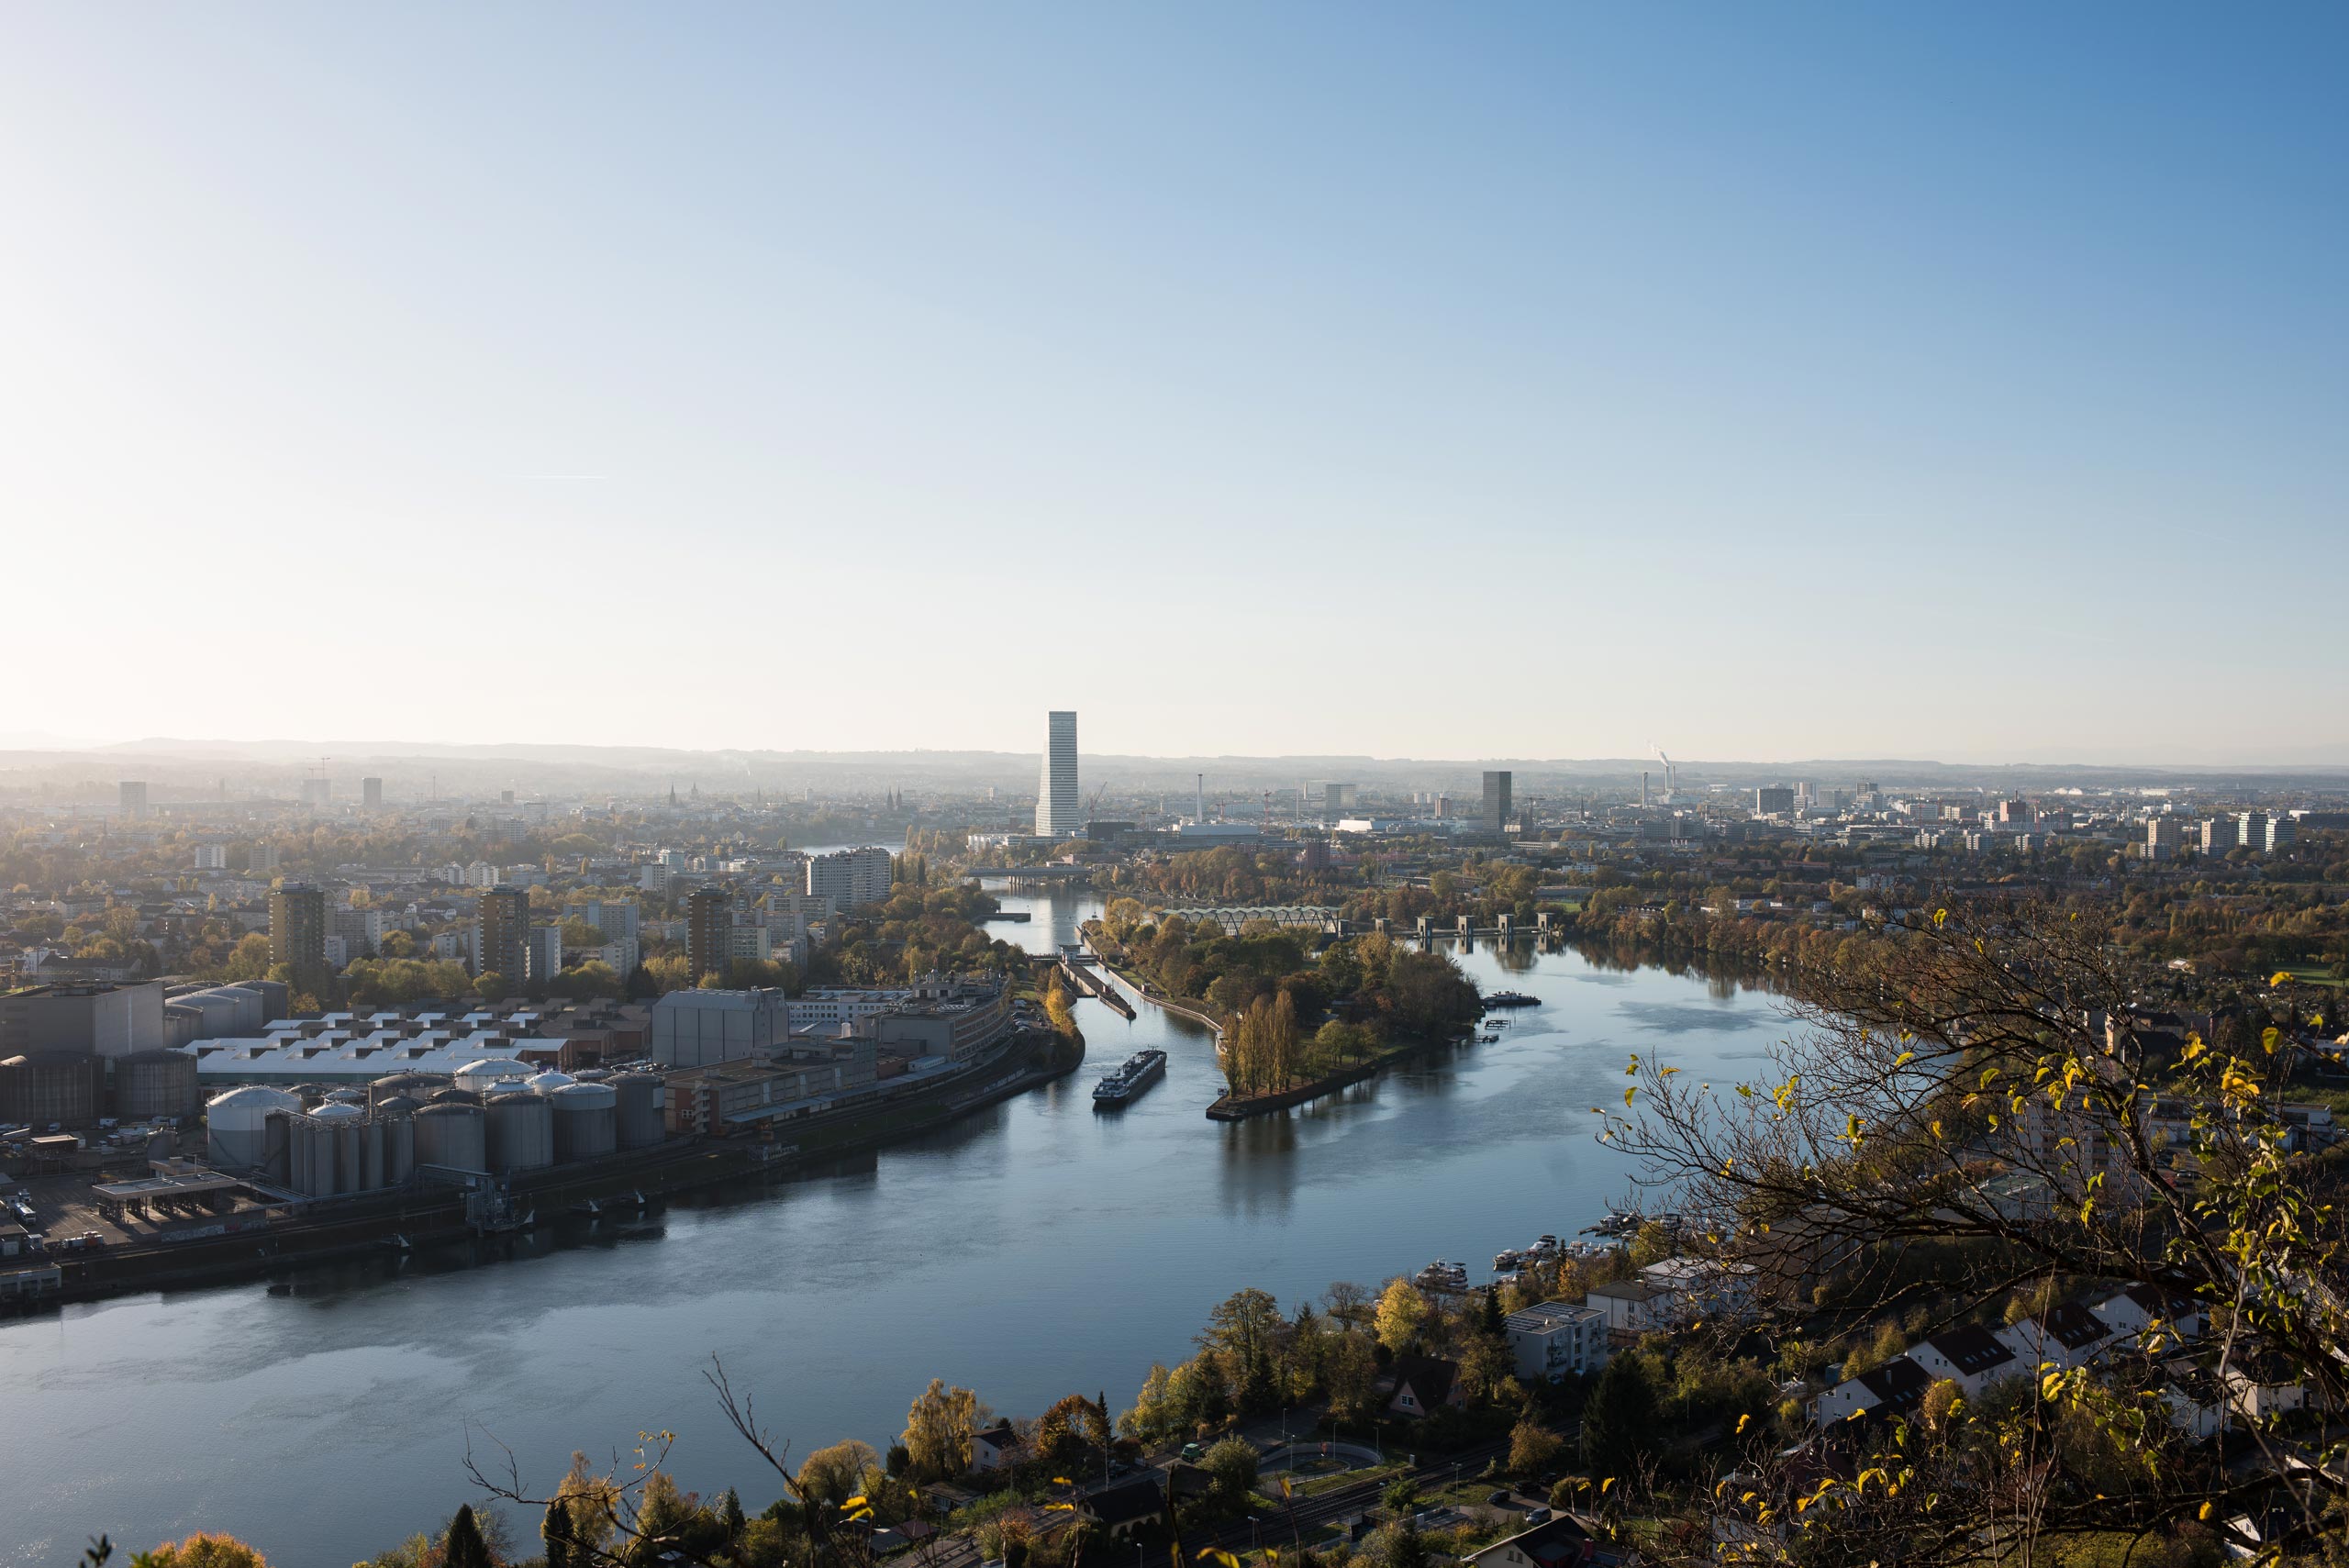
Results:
[1314, 1486]
[2313, 975]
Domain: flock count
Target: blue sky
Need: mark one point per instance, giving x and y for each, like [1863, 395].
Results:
[1531, 381]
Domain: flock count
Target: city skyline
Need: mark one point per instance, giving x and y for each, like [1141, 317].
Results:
[1788, 384]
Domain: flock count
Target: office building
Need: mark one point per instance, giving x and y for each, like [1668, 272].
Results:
[1773, 800]
[853, 878]
[2218, 834]
[709, 930]
[502, 934]
[133, 795]
[2251, 830]
[1341, 796]
[370, 794]
[1058, 810]
[261, 860]
[1495, 811]
[298, 928]
[2280, 829]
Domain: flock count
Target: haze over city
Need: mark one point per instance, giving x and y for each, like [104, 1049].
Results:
[1302, 786]
[1776, 382]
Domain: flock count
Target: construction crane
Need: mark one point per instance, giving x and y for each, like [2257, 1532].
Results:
[1093, 806]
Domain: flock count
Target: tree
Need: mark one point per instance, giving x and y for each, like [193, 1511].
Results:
[1619, 1422]
[463, 1547]
[1401, 1310]
[1350, 1373]
[829, 1476]
[1972, 1050]
[1232, 1463]
[555, 1531]
[1153, 1418]
[1533, 1448]
[204, 1549]
[939, 1428]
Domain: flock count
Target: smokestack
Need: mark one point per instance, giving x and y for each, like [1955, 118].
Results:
[1643, 786]
[1201, 806]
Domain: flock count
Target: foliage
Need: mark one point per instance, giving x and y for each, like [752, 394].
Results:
[938, 1430]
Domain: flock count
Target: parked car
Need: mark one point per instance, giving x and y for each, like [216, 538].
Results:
[1537, 1515]
[1497, 1500]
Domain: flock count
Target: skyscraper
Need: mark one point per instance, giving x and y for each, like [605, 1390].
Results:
[298, 928]
[502, 934]
[133, 792]
[370, 794]
[709, 930]
[1057, 807]
[1495, 811]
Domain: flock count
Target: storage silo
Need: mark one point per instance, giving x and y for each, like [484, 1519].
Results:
[479, 1075]
[50, 1086]
[639, 1110]
[547, 1082]
[587, 1120]
[148, 1084]
[416, 1086]
[238, 1133]
[452, 1136]
[399, 1150]
[521, 1132]
[452, 1098]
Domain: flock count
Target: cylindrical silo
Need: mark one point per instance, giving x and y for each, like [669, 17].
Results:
[240, 1134]
[639, 1110]
[399, 1151]
[149, 1084]
[292, 1139]
[587, 1120]
[451, 1136]
[453, 1097]
[415, 1085]
[479, 1075]
[547, 1082]
[521, 1132]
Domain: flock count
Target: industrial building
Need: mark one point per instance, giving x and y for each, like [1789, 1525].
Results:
[105, 1020]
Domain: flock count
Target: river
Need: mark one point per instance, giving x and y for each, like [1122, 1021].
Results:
[1036, 1249]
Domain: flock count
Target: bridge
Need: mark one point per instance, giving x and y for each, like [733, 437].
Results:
[1231, 916]
[1029, 873]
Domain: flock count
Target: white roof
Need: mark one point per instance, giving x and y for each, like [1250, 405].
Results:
[357, 1060]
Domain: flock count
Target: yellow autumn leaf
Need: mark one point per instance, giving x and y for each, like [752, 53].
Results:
[2282, 977]
[1742, 1421]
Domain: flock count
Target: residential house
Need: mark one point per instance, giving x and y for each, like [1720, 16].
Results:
[1424, 1385]
[1678, 1290]
[2128, 1314]
[1122, 1510]
[1559, 1541]
[996, 1448]
[1895, 1388]
[1970, 1357]
[2066, 1335]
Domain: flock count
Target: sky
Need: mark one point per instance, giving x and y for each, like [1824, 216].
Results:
[1533, 381]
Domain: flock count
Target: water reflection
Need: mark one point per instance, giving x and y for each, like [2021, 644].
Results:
[1034, 1247]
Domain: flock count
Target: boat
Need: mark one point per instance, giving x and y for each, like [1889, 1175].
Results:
[1442, 1275]
[1139, 1070]
[1505, 1262]
[1511, 999]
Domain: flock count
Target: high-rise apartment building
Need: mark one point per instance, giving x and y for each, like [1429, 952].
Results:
[133, 796]
[1496, 803]
[850, 878]
[212, 857]
[709, 929]
[2165, 836]
[370, 794]
[2218, 834]
[502, 934]
[2251, 830]
[1057, 806]
[298, 928]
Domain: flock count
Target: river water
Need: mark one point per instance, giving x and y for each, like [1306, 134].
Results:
[1036, 1249]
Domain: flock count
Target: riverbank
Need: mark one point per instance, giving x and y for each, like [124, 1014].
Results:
[415, 1221]
[1228, 1108]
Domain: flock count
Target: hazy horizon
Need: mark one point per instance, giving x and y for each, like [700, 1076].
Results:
[1780, 383]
